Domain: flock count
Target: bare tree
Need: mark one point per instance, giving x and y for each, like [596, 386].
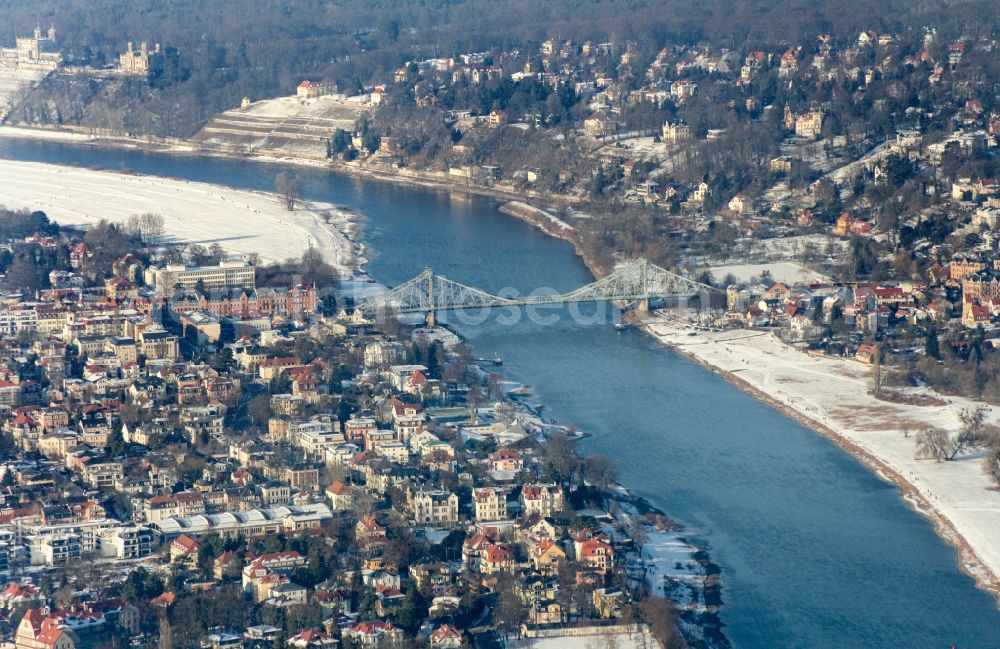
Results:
[972, 434]
[474, 396]
[149, 227]
[495, 386]
[65, 595]
[661, 616]
[510, 611]
[362, 503]
[933, 443]
[636, 528]
[991, 464]
[289, 186]
[152, 228]
[131, 226]
[561, 456]
[166, 640]
[600, 471]
[259, 409]
[878, 370]
[507, 412]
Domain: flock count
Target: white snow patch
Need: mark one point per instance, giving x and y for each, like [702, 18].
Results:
[242, 222]
[835, 393]
[787, 272]
[40, 134]
[518, 208]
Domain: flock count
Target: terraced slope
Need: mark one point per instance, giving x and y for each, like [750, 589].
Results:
[283, 126]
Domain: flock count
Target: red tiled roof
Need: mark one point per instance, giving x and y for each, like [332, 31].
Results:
[338, 488]
[496, 553]
[164, 600]
[594, 548]
[372, 628]
[445, 632]
[187, 543]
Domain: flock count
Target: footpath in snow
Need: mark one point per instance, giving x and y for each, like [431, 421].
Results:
[242, 222]
[833, 397]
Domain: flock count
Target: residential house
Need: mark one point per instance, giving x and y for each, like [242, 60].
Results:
[975, 315]
[490, 504]
[340, 496]
[495, 558]
[542, 499]
[597, 555]
[437, 507]
[446, 637]
[184, 550]
[184, 503]
[269, 571]
[374, 634]
[546, 557]
[369, 535]
[312, 639]
[42, 631]
[435, 577]
[287, 594]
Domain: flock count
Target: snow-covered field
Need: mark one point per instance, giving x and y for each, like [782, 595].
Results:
[843, 175]
[242, 222]
[667, 556]
[787, 247]
[787, 272]
[832, 394]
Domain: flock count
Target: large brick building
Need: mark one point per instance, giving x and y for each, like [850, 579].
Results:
[292, 302]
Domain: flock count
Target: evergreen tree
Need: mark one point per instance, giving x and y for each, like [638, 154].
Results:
[931, 347]
[413, 610]
[116, 443]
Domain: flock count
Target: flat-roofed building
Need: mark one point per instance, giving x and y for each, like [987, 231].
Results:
[228, 274]
[254, 522]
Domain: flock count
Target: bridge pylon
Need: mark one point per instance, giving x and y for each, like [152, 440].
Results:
[431, 317]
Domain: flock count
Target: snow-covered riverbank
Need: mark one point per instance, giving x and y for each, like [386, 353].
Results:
[827, 395]
[242, 222]
[832, 397]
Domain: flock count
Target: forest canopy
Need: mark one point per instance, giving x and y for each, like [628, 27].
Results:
[229, 49]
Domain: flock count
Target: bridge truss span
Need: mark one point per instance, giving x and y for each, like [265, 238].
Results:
[635, 280]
